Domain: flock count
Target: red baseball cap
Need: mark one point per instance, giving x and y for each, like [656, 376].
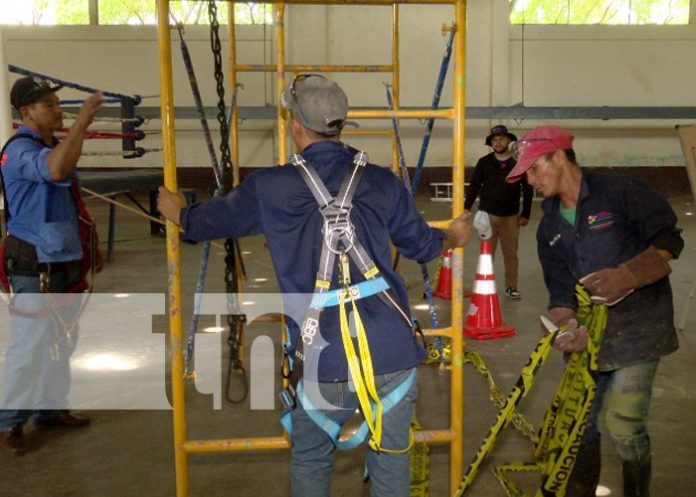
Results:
[535, 143]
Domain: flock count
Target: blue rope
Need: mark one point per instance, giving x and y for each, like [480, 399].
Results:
[200, 285]
[432, 314]
[26, 72]
[81, 101]
[230, 109]
[219, 179]
[188, 64]
[436, 103]
[395, 125]
[434, 321]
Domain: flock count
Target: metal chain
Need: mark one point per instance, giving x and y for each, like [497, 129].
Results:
[236, 321]
[235, 318]
[216, 46]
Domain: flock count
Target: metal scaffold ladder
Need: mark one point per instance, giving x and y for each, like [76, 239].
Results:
[451, 434]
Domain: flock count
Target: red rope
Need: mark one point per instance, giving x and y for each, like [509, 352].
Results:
[98, 135]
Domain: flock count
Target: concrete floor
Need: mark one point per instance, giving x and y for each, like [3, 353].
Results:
[129, 452]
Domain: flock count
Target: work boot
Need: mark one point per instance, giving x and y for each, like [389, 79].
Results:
[62, 419]
[636, 478]
[13, 441]
[584, 478]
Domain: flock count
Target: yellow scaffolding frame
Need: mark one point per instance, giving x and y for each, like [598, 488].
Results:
[451, 435]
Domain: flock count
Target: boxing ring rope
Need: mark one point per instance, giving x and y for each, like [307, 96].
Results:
[76, 86]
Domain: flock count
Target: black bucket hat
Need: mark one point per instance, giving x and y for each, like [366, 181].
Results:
[500, 130]
[28, 90]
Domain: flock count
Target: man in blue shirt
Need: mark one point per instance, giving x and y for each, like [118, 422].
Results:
[42, 256]
[278, 203]
[616, 236]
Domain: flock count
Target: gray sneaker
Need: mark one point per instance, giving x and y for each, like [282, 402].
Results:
[512, 293]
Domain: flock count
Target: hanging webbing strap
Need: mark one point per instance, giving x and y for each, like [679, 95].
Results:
[341, 241]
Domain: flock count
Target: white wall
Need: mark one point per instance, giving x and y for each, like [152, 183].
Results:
[563, 66]
[612, 66]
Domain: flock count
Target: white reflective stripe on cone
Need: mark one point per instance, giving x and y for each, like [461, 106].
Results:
[447, 260]
[485, 265]
[484, 287]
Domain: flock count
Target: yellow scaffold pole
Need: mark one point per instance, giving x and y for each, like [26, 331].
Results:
[234, 117]
[396, 86]
[300, 68]
[173, 255]
[279, 11]
[459, 135]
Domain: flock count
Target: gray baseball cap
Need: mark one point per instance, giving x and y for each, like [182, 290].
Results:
[318, 103]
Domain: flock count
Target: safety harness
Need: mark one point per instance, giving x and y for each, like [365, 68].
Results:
[20, 257]
[341, 245]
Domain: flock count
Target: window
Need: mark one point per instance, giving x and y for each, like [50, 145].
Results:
[44, 12]
[138, 12]
[186, 11]
[599, 11]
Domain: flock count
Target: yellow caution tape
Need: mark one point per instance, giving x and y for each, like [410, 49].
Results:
[564, 423]
[420, 465]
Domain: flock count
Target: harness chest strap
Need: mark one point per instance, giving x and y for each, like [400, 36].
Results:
[339, 230]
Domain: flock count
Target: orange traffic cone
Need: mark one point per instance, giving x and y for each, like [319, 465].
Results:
[444, 281]
[483, 321]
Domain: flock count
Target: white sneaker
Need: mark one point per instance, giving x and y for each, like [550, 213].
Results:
[512, 293]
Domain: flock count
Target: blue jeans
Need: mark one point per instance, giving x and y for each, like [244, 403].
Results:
[626, 393]
[37, 361]
[312, 449]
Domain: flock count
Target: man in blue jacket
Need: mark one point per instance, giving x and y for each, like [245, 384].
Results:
[616, 236]
[278, 203]
[43, 255]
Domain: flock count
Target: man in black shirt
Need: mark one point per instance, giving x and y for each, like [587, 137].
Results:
[501, 200]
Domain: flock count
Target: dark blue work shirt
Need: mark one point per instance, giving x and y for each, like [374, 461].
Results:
[42, 210]
[617, 218]
[276, 202]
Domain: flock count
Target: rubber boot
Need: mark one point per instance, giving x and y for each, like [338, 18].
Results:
[636, 478]
[584, 478]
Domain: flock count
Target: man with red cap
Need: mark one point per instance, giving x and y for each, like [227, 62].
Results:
[501, 200]
[616, 236]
